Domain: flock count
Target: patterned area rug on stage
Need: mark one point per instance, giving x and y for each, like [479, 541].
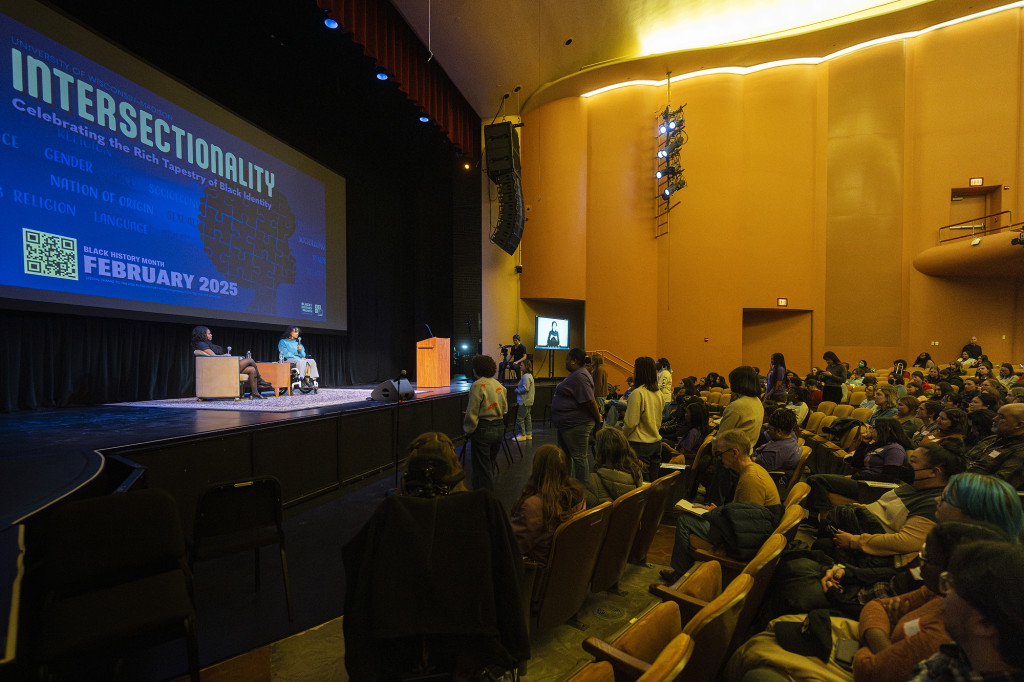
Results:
[326, 397]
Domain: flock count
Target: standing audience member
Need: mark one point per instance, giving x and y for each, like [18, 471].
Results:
[776, 387]
[642, 420]
[574, 413]
[834, 376]
[617, 470]
[972, 348]
[745, 410]
[485, 420]
[665, 384]
[600, 375]
[525, 393]
[549, 498]
[983, 612]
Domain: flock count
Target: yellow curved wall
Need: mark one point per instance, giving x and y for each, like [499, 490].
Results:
[816, 183]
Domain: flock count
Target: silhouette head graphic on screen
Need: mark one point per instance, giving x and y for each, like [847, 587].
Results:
[248, 243]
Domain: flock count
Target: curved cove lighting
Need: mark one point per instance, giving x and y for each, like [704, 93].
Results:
[811, 61]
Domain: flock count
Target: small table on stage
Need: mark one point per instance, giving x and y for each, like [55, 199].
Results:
[277, 374]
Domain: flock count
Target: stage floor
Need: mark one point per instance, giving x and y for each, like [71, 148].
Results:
[99, 427]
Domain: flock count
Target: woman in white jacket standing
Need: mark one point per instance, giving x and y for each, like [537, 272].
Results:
[642, 421]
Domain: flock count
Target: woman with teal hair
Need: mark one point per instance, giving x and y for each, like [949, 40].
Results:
[979, 497]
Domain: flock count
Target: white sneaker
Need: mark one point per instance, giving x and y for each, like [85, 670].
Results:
[522, 438]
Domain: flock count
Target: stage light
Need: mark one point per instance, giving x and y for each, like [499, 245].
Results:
[466, 166]
[663, 129]
[465, 346]
[666, 172]
[381, 76]
[424, 119]
[330, 23]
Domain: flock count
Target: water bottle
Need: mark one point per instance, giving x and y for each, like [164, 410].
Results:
[229, 350]
[280, 357]
[248, 354]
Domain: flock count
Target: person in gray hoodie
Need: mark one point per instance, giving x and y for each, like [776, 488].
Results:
[617, 469]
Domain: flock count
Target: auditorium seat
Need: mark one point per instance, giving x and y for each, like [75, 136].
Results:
[623, 525]
[843, 411]
[658, 497]
[560, 587]
[825, 407]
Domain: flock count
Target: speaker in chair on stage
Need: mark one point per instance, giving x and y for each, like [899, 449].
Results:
[390, 391]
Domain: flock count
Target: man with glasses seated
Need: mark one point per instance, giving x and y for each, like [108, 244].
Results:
[754, 485]
[1002, 454]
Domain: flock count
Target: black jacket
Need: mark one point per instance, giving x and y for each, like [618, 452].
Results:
[742, 527]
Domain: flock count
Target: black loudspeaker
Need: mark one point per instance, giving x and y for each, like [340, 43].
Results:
[509, 230]
[501, 148]
[390, 392]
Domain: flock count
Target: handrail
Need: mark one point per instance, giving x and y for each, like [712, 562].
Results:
[618, 361]
[975, 228]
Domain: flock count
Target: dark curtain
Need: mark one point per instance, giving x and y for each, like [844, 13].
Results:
[56, 360]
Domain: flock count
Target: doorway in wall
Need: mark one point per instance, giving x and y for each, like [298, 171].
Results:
[767, 331]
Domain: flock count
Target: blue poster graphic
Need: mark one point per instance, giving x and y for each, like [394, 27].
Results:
[109, 190]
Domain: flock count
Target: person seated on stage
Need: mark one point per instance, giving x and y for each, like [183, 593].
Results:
[782, 451]
[433, 467]
[617, 470]
[549, 498]
[291, 349]
[513, 363]
[202, 344]
[1002, 454]
[754, 485]
[871, 535]
[983, 612]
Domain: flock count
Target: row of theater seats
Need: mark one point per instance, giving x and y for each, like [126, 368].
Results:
[117, 574]
[589, 552]
[699, 623]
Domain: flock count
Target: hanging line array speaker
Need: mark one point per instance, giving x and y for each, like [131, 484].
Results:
[502, 154]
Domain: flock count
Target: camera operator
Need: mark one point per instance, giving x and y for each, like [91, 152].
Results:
[513, 363]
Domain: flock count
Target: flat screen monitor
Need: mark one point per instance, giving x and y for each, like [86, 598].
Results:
[552, 333]
[124, 190]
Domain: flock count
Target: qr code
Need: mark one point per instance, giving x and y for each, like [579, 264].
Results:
[50, 255]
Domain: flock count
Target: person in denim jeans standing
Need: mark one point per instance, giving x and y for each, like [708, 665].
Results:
[574, 413]
[484, 421]
[524, 396]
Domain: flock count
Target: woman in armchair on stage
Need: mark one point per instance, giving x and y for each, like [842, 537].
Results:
[202, 344]
[291, 349]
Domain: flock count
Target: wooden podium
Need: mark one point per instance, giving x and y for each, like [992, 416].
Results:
[433, 363]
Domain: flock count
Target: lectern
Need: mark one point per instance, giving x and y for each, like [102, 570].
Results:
[433, 363]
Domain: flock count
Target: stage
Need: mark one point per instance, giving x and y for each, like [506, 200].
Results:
[315, 452]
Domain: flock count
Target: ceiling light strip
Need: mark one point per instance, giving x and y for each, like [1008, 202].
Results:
[807, 61]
